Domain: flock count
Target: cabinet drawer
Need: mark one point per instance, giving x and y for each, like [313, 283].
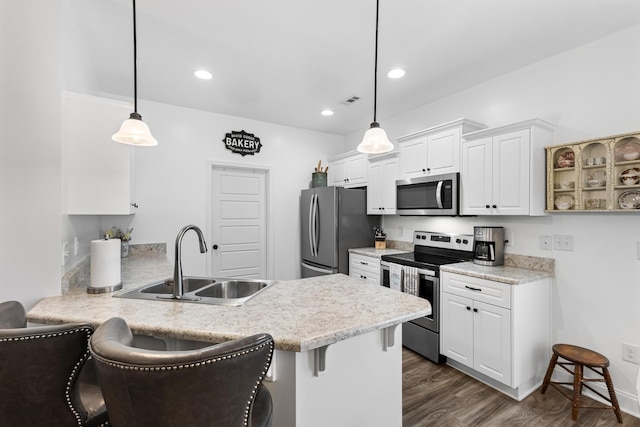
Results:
[365, 263]
[367, 275]
[487, 291]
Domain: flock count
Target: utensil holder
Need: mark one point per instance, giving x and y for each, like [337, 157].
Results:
[381, 243]
[318, 179]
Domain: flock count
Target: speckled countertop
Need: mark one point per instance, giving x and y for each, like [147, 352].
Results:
[502, 273]
[376, 253]
[301, 315]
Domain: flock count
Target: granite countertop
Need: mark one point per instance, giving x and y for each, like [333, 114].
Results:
[376, 253]
[502, 273]
[301, 315]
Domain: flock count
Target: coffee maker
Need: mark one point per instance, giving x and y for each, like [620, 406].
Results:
[488, 245]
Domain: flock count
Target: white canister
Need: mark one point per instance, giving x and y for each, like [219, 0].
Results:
[105, 266]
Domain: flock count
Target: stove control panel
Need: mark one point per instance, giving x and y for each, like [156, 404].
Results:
[461, 242]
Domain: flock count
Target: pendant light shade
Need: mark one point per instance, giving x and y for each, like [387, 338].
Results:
[375, 140]
[133, 130]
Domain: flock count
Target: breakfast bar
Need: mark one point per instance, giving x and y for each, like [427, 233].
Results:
[338, 358]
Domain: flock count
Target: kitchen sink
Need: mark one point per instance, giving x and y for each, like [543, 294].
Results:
[202, 290]
[189, 284]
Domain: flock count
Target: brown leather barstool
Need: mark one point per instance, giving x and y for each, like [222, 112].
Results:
[579, 358]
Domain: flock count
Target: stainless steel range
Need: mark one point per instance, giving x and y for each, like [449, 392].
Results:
[431, 250]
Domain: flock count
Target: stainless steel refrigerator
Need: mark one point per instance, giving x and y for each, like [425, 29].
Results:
[334, 219]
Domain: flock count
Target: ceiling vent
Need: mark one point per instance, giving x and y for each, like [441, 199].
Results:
[350, 101]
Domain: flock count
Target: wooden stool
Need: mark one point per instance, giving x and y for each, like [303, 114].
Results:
[579, 358]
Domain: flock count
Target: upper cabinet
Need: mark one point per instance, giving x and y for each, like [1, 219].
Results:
[503, 169]
[433, 151]
[381, 189]
[601, 174]
[98, 172]
[348, 170]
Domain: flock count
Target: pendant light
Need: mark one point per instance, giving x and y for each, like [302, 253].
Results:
[375, 139]
[133, 130]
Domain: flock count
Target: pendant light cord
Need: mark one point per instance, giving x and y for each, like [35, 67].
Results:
[375, 68]
[135, 60]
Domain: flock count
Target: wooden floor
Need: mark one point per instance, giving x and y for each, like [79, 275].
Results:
[439, 395]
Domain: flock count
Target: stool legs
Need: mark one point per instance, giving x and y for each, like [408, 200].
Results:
[577, 391]
[612, 394]
[547, 377]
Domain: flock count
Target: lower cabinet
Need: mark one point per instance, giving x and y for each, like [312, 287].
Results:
[364, 267]
[497, 332]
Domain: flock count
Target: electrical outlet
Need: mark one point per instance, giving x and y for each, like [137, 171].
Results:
[546, 242]
[563, 242]
[631, 353]
[401, 231]
[508, 238]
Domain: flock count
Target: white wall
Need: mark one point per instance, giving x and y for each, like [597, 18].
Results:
[172, 178]
[590, 91]
[30, 153]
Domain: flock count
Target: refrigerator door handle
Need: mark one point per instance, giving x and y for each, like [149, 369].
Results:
[316, 228]
[318, 269]
[439, 194]
[311, 216]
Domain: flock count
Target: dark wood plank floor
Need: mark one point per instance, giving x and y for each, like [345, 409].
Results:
[439, 395]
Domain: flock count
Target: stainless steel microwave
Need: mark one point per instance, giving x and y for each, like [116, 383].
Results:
[428, 195]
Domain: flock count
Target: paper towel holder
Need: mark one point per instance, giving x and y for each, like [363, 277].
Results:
[103, 289]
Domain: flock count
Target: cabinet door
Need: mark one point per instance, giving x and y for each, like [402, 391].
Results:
[413, 157]
[456, 329]
[492, 341]
[381, 186]
[357, 170]
[98, 172]
[511, 173]
[477, 177]
[443, 152]
[374, 188]
[338, 172]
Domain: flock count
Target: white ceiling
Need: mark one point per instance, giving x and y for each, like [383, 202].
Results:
[283, 61]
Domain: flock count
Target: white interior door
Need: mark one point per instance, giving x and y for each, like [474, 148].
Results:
[238, 222]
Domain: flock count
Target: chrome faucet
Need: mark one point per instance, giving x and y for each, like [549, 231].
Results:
[178, 290]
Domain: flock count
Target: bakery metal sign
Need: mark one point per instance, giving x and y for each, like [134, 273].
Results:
[242, 142]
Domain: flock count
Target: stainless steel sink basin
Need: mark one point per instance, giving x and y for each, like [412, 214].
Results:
[202, 290]
[233, 289]
[189, 283]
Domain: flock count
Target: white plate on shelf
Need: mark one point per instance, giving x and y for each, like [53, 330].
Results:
[630, 199]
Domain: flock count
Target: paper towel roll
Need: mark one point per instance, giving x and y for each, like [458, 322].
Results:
[105, 266]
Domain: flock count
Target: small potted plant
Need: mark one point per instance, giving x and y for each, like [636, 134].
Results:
[116, 233]
[380, 238]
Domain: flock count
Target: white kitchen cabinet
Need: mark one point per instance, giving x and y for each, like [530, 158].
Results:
[433, 151]
[381, 187]
[364, 267]
[503, 169]
[348, 170]
[496, 332]
[99, 176]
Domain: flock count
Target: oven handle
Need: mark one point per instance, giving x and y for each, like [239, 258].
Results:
[385, 266]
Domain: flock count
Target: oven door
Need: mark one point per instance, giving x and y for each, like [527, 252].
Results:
[428, 288]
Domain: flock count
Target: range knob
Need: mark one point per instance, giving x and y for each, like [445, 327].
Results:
[465, 241]
[458, 240]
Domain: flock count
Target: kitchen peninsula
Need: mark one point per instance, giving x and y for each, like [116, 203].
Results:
[338, 358]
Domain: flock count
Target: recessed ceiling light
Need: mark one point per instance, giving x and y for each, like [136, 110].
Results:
[203, 74]
[327, 112]
[396, 73]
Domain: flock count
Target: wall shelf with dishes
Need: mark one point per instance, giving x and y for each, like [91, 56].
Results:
[596, 175]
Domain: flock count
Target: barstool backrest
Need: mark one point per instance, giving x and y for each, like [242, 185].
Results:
[215, 385]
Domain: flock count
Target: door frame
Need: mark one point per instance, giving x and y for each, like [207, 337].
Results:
[269, 245]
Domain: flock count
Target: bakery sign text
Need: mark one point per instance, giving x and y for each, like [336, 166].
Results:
[242, 142]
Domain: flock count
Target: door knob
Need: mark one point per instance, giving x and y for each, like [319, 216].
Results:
[215, 247]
